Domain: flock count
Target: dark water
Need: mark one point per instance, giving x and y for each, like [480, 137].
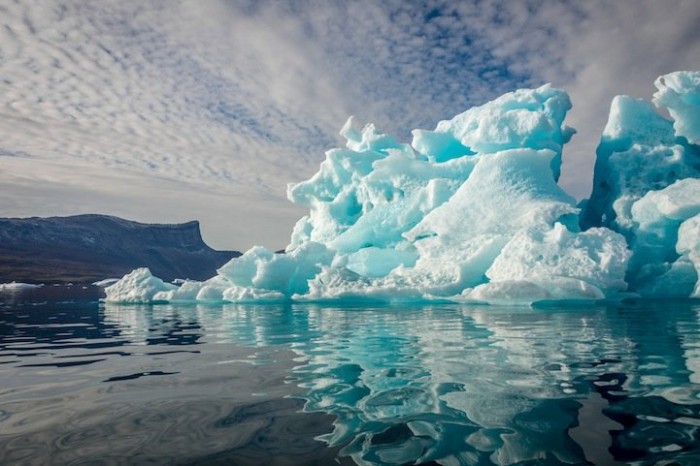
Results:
[83, 382]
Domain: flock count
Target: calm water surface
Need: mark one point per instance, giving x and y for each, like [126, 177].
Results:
[83, 382]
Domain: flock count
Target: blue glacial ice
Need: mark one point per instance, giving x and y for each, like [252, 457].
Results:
[646, 185]
[472, 212]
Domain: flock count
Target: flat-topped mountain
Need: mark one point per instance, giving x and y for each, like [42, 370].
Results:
[86, 248]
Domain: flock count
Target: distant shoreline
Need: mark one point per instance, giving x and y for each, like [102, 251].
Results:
[85, 249]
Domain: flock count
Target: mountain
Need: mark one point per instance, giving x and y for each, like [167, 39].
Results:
[85, 248]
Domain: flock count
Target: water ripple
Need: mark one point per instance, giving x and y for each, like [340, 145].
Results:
[310, 384]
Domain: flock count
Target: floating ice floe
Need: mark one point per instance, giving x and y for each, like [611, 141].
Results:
[106, 282]
[15, 286]
[472, 212]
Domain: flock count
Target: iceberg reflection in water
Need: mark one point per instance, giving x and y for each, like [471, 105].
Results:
[413, 385]
[463, 385]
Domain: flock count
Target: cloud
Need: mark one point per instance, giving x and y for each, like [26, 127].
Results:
[620, 48]
[230, 100]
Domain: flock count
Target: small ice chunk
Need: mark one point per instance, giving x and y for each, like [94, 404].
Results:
[139, 286]
[18, 286]
[106, 282]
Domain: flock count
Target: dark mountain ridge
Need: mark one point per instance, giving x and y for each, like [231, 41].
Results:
[85, 248]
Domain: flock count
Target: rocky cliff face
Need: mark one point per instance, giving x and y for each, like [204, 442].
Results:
[85, 248]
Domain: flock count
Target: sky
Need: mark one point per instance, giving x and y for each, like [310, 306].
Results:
[169, 111]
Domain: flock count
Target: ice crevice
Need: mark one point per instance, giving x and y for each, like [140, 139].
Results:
[472, 212]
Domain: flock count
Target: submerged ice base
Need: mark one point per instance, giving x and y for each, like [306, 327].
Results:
[472, 212]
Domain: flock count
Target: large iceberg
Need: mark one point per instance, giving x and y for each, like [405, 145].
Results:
[472, 212]
[646, 185]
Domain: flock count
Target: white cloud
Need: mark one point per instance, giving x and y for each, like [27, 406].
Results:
[620, 49]
[113, 105]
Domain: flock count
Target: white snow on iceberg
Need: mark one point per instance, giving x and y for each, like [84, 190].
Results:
[472, 212]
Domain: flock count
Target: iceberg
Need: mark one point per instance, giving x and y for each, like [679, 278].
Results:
[138, 286]
[471, 212]
[645, 185]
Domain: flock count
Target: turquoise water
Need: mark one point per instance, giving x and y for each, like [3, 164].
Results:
[82, 382]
